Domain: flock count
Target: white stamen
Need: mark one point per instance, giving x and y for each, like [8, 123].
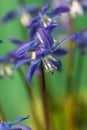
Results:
[33, 55]
[39, 37]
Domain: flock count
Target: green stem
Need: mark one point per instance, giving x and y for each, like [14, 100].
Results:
[45, 98]
[70, 103]
[31, 98]
[70, 62]
[78, 73]
[2, 113]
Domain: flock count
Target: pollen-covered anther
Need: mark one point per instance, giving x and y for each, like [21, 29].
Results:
[33, 55]
[46, 20]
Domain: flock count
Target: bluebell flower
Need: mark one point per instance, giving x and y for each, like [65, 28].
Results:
[42, 46]
[45, 49]
[13, 125]
[46, 19]
[24, 12]
[81, 41]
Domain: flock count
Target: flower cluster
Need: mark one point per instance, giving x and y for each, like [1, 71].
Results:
[42, 46]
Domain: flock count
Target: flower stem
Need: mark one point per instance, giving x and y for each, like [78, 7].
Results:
[70, 62]
[70, 103]
[78, 73]
[2, 113]
[45, 98]
[31, 98]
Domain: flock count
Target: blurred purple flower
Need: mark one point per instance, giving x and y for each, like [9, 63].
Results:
[9, 58]
[81, 40]
[4, 67]
[13, 126]
[24, 12]
[84, 5]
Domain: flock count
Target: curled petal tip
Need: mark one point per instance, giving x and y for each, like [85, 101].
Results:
[60, 9]
[45, 7]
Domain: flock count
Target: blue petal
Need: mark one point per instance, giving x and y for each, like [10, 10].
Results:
[33, 22]
[27, 47]
[45, 7]
[51, 26]
[4, 126]
[16, 41]
[9, 16]
[31, 70]
[20, 119]
[41, 54]
[84, 5]
[20, 62]
[54, 18]
[20, 127]
[60, 52]
[62, 42]
[59, 9]
[46, 37]
[57, 64]
[33, 31]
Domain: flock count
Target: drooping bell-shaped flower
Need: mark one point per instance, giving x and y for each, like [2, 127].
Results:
[47, 51]
[46, 19]
[43, 47]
